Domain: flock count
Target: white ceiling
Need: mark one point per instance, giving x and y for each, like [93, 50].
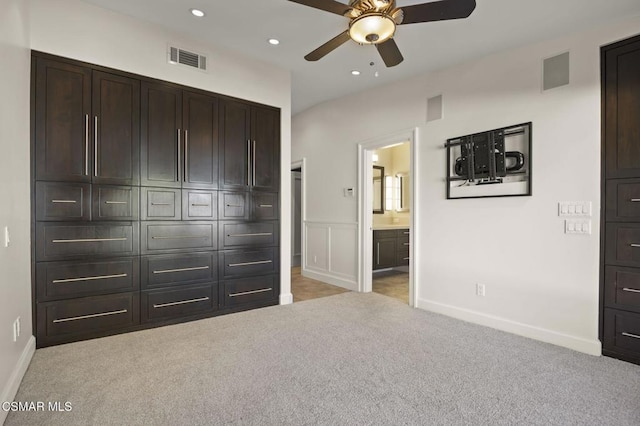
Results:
[245, 25]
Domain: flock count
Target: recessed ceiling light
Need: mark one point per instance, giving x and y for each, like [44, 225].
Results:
[197, 12]
[355, 72]
[274, 41]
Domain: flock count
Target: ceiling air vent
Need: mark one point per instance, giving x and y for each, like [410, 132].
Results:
[187, 58]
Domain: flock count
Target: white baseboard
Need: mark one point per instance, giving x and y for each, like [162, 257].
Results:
[286, 299]
[331, 279]
[590, 347]
[11, 388]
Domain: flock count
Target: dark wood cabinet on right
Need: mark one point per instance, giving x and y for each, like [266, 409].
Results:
[390, 248]
[250, 148]
[620, 257]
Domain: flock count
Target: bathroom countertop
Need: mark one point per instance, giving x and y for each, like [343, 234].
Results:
[392, 226]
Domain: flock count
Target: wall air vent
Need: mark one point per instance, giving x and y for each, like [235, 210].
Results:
[187, 58]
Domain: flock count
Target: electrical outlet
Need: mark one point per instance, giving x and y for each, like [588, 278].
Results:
[480, 290]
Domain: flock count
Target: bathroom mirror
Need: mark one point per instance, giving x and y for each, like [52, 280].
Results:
[404, 187]
[378, 190]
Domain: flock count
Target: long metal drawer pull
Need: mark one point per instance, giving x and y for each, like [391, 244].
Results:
[635, 200]
[635, 336]
[183, 302]
[86, 144]
[257, 234]
[266, 206]
[180, 237]
[64, 201]
[95, 144]
[406, 244]
[406, 258]
[406, 233]
[104, 314]
[167, 271]
[253, 158]
[161, 204]
[90, 240]
[260, 262]
[116, 202]
[179, 167]
[244, 293]
[234, 205]
[635, 245]
[99, 277]
[199, 205]
[248, 162]
[631, 290]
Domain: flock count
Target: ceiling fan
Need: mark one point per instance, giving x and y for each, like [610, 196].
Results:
[374, 22]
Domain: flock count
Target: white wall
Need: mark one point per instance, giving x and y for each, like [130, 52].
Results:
[545, 285]
[75, 29]
[15, 270]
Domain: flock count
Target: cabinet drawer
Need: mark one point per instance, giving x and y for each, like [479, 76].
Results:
[172, 269]
[402, 257]
[234, 205]
[237, 263]
[160, 204]
[623, 244]
[623, 200]
[166, 304]
[62, 201]
[115, 203]
[622, 332]
[622, 288]
[158, 236]
[55, 241]
[234, 234]
[403, 233]
[265, 205]
[384, 234]
[248, 290]
[199, 205]
[59, 280]
[87, 317]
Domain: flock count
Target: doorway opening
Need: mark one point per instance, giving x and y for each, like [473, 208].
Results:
[387, 211]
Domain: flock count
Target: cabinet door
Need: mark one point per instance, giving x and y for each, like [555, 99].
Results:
[235, 145]
[622, 109]
[200, 122]
[265, 157]
[384, 253]
[62, 121]
[161, 134]
[115, 202]
[199, 205]
[116, 129]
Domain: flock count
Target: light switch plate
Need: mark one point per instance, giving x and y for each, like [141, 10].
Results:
[574, 208]
[577, 226]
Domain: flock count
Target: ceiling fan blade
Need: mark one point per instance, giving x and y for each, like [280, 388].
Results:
[326, 5]
[438, 11]
[390, 53]
[328, 47]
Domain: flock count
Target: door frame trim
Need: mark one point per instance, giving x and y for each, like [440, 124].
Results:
[365, 198]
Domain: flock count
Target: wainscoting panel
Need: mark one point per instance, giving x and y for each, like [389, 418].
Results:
[331, 253]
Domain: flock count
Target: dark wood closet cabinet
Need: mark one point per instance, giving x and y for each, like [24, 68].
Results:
[87, 124]
[132, 228]
[620, 239]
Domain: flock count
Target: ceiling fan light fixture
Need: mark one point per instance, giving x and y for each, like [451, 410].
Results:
[372, 28]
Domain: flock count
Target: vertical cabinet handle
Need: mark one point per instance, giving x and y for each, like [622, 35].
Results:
[95, 144]
[378, 254]
[186, 155]
[253, 159]
[86, 144]
[248, 162]
[179, 168]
